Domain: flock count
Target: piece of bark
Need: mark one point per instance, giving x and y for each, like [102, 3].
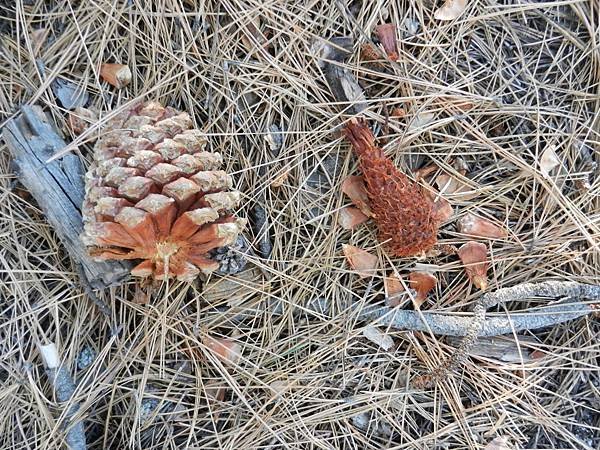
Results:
[58, 189]
[69, 95]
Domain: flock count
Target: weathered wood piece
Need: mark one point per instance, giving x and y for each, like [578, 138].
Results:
[65, 388]
[58, 188]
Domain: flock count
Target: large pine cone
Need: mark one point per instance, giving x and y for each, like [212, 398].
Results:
[153, 194]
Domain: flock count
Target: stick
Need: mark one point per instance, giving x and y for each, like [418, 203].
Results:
[479, 324]
[462, 326]
[65, 389]
[450, 325]
[58, 189]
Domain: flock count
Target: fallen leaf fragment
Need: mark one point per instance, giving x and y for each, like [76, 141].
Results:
[117, 75]
[499, 443]
[474, 257]
[252, 37]
[361, 261]
[449, 184]
[549, 161]
[422, 282]
[451, 9]
[378, 337]
[421, 120]
[424, 172]
[354, 187]
[473, 225]
[225, 349]
[387, 36]
[351, 217]
[38, 39]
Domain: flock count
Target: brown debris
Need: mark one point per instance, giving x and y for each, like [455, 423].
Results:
[227, 350]
[387, 36]
[474, 258]
[361, 261]
[473, 225]
[354, 187]
[80, 119]
[118, 75]
[351, 217]
[422, 282]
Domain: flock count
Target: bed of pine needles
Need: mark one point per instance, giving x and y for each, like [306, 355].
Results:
[530, 73]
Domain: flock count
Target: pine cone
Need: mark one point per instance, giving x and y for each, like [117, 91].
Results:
[153, 194]
[403, 212]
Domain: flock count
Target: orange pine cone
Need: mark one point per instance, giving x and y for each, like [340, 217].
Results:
[402, 211]
[154, 195]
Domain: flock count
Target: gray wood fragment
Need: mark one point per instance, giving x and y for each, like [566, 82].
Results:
[64, 388]
[58, 189]
[503, 348]
[345, 87]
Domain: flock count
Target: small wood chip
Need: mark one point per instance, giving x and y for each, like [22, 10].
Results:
[451, 9]
[378, 337]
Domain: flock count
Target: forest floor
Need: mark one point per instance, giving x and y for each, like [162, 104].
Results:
[503, 104]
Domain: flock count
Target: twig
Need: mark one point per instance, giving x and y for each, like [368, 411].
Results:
[65, 389]
[554, 314]
[450, 325]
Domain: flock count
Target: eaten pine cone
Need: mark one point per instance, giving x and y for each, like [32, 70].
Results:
[402, 211]
[154, 195]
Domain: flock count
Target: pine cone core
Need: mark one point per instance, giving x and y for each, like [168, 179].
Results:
[402, 211]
